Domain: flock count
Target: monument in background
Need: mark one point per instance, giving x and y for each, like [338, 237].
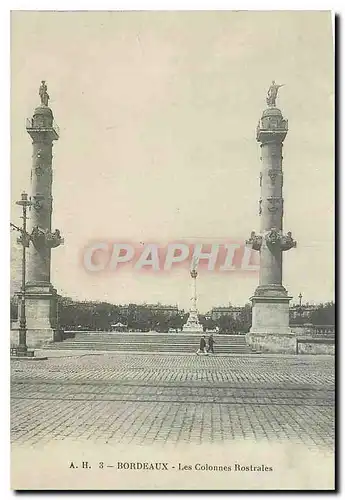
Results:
[270, 329]
[193, 324]
[41, 296]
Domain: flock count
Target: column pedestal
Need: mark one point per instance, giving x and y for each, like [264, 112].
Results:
[193, 325]
[41, 314]
[270, 331]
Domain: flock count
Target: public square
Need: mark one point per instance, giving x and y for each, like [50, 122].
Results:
[170, 399]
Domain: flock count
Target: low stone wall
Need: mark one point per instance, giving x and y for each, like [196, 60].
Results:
[68, 335]
[303, 330]
[280, 343]
[315, 346]
[291, 343]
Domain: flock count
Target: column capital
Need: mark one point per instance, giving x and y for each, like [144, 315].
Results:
[272, 127]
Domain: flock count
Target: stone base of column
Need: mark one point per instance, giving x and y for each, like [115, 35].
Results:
[41, 313]
[270, 331]
[274, 343]
[193, 325]
[36, 337]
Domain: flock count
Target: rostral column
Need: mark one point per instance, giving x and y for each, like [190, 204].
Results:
[41, 297]
[193, 324]
[270, 329]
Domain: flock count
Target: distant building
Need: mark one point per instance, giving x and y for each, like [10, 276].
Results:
[304, 311]
[233, 311]
[165, 310]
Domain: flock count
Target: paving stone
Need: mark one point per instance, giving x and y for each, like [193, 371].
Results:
[160, 399]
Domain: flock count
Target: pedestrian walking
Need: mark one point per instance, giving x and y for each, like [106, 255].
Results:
[202, 346]
[211, 343]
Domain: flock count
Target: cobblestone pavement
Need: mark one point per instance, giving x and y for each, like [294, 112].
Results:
[147, 399]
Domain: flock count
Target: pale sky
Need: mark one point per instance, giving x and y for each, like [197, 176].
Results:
[157, 112]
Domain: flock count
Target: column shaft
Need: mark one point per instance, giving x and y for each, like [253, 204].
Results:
[38, 270]
[271, 210]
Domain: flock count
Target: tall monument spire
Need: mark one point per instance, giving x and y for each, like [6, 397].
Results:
[193, 325]
[270, 324]
[41, 297]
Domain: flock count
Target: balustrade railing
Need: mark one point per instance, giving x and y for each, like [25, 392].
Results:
[31, 125]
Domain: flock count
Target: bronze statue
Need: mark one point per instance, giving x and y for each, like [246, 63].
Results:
[272, 93]
[43, 93]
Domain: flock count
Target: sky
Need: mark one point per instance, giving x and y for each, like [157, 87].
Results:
[157, 114]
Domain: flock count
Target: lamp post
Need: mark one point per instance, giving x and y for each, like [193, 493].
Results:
[300, 304]
[24, 240]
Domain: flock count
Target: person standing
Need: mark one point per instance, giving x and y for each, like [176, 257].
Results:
[202, 346]
[211, 343]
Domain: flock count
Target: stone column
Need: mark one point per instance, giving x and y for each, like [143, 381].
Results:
[270, 319]
[193, 325]
[271, 201]
[41, 297]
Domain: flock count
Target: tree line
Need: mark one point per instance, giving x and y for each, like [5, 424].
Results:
[323, 314]
[90, 315]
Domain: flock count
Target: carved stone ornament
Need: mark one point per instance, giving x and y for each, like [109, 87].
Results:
[273, 237]
[287, 242]
[37, 205]
[274, 203]
[276, 238]
[24, 239]
[42, 238]
[49, 202]
[37, 202]
[54, 239]
[255, 241]
[39, 170]
[272, 175]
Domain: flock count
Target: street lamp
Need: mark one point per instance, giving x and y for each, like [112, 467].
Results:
[24, 240]
[300, 305]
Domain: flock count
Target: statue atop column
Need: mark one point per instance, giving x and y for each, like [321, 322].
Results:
[43, 93]
[272, 94]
